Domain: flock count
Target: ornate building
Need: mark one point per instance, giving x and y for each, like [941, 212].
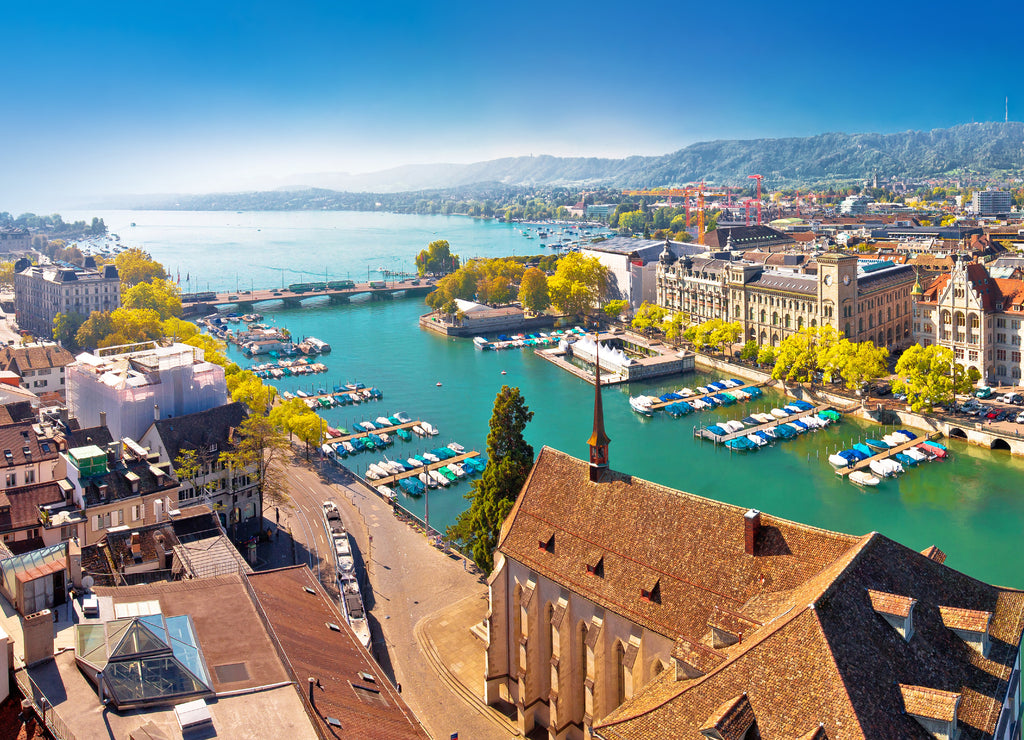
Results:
[978, 317]
[626, 610]
[869, 301]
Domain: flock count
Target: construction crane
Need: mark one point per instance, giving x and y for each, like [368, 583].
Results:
[661, 193]
[701, 192]
[758, 178]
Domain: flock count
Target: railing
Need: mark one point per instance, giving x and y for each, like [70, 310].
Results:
[43, 706]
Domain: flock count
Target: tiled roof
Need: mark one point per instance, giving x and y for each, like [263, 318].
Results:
[897, 606]
[731, 720]
[971, 620]
[769, 280]
[99, 436]
[822, 655]
[120, 487]
[200, 430]
[16, 411]
[21, 359]
[885, 278]
[934, 553]
[930, 703]
[351, 686]
[19, 507]
[19, 438]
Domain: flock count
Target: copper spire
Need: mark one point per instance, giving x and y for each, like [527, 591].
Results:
[598, 438]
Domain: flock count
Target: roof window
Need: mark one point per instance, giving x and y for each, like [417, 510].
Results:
[897, 610]
[652, 594]
[970, 625]
[547, 545]
[596, 569]
[934, 710]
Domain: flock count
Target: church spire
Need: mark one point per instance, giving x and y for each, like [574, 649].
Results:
[598, 439]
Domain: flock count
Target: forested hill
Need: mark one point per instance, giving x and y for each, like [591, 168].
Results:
[982, 149]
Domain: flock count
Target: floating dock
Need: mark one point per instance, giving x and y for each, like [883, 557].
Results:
[723, 438]
[689, 399]
[364, 433]
[860, 465]
[393, 479]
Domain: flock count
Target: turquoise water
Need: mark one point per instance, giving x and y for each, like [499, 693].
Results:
[972, 506]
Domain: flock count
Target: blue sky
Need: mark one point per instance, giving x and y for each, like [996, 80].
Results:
[148, 97]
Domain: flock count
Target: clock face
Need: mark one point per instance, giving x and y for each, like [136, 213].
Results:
[846, 279]
[828, 280]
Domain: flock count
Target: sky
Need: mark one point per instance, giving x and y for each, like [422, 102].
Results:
[190, 97]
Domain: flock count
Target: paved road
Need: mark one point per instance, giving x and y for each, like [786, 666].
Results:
[410, 580]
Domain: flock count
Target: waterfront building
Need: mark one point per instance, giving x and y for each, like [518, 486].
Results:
[632, 265]
[991, 202]
[233, 494]
[127, 388]
[39, 366]
[625, 610]
[866, 300]
[761, 237]
[977, 316]
[43, 291]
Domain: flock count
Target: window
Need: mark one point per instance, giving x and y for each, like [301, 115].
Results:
[972, 355]
[12, 479]
[30, 476]
[1015, 357]
[136, 512]
[1000, 338]
[97, 522]
[1000, 323]
[1001, 355]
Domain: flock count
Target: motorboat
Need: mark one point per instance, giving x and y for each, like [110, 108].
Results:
[757, 440]
[457, 448]
[863, 478]
[779, 413]
[383, 421]
[403, 417]
[355, 614]
[741, 444]
[429, 428]
[386, 492]
[438, 478]
[418, 431]
[876, 444]
[642, 405]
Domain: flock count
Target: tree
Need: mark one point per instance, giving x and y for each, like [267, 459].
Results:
[533, 290]
[65, 327]
[673, 326]
[190, 466]
[437, 259]
[578, 284]
[799, 353]
[250, 390]
[509, 460]
[925, 375]
[632, 222]
[179, 330]
[714, 333]
[749, 351]
[766, 355]
[866, 364]
[136, 266]
[284, 414]
[309, 428]
[725, 334]
[833, 360]
[162, 296]
[262, 447]
[648, 316]
[615, 308]
[7, 273]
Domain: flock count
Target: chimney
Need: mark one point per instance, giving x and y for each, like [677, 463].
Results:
[156, 412]
[751, 527]
[103, 418]
[312, 699]
[37, 631]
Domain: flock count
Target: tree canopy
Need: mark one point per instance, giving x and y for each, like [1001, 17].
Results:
[261, 446]
[136, 266]
[162, 296]
[437, 259]
[533, 290]
[579, 284]
[509, 459]
[926, 375]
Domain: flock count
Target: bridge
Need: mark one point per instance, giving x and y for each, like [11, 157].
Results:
[204, 303]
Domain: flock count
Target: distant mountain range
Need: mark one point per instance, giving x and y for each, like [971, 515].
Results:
[975, 149]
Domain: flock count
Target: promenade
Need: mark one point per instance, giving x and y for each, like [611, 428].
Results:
[423, 604]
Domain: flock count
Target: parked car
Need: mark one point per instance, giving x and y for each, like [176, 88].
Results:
[991, 415]
[1016, 399]
[882, 390]
[983, 392]
[1002, 415]
[1020, 418]
[1006, 398]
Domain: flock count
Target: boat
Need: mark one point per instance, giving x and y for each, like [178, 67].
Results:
[349, 447]
[380, 471]
[876, 444]
[905, 460]
[766, 435]
[352, 600]
[915, 454]
[456, 448]
[418, 431]
[863, 449]
[404, 434]
[933, 443]
[883, 468]
[382, 422]
[457, 469]
[403, 417]
[863, 478]
[429, 428]
[938, 452]
[642, 405]
[757, 440]
[779, 413]
[838, 460]
[741, 444]
[439, 479]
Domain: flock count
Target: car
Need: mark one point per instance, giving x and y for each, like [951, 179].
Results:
[882, 390]
[1016, 399]
[983, 392]
[1001, 416]
[991, 415]
[1020, 418]
[1006, 398]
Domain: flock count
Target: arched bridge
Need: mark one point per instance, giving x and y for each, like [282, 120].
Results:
[196, 304]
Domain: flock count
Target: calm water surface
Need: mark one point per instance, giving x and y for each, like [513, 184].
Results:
[971, 506]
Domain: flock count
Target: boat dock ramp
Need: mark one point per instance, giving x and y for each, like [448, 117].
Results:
[662, 404]
[843, 472]
[718, 439]
[393, 479]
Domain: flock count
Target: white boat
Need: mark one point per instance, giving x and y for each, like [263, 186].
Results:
[349, 448]
[456, 447]
[685, 392]
[431, 457]
[302, 394]
[371, 475]
[732, 426]
[327, 450]
[426, 480]
[352, 601]
[385, 438]
[894, 439]
[439, 479]
[757, 440]
[779, 414]
[885, 467]
[418, 431]
[917, 455]
[403, 417]
[863, 478]
[641, 405]
[429, 428]
[310, 403]
[838, 461]
[380, 471]
[699, 403]
[414, 462]
[386, 492]
[366, 426]
[384, 421]
[769, 432]
[763, 418]
[457, 469]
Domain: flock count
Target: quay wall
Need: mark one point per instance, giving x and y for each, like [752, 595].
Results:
[428, 321]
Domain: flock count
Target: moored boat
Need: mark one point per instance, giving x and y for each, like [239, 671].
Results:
[863, 478]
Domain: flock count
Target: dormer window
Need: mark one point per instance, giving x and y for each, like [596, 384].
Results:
[547, 545]
[652, 594]
[897, 610]
[934, 710]
[731, 721]
[596, 569]
[969, 625]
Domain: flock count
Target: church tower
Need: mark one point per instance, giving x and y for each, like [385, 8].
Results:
[598, 439]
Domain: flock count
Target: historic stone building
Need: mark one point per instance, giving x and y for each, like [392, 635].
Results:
[626, 610]
[42, 292]
[977, 316]
[865, 301]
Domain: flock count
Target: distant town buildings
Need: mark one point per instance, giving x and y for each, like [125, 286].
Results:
[38, 366]
[42, 292]
[14, 240]
[991, 202]
[855, 205]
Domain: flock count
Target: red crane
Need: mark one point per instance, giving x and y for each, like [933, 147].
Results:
[758, 178]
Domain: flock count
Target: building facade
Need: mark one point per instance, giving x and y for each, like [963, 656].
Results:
[43, 291]
[40, 367]
[979, 317]
[991, 202]
[14, 240]
[866, 302]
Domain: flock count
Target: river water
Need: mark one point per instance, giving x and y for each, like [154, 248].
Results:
[971, 506]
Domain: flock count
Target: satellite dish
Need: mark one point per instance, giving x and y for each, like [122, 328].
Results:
[88, 581]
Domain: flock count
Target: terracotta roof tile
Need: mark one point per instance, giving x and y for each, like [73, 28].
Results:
[934, 553]
[971, 620]
[731, 720]
[897, 606]
[930, 703]
[700, 657]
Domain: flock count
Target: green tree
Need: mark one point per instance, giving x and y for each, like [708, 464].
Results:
[533, 290]
[437, 259]
[615, 308]
[579, 284]
[262, 447]
[65, 327]
[766, 355]
[925, 374]
[284, 414]
[673, 326]
[648, 316]
[7, 273]
[867, 363]
[632, 222]
[190, 466]
[509, 460]
[725, 334]
[749, 351]
[250, 390]
[137, 266]
[309, 428]
[162, 296]
[833, 360]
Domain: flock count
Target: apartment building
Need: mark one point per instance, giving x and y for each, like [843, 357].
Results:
[43, 291]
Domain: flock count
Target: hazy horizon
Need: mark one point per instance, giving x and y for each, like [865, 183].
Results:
[124, 98]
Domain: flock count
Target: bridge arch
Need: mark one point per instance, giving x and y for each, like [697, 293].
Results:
[957, 433]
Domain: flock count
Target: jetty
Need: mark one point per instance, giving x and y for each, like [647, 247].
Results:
[393, 479]
[723, 438]
[662, 404]
[383, 430]
[860, 465]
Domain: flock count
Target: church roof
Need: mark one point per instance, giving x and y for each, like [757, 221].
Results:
[815, 658]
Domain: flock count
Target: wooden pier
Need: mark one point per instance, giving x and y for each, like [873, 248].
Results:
[723, 438]
[662, 404]
[860, 465]
[364, 433]
[393, 479]
[318, 396]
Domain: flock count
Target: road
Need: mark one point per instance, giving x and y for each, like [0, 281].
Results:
[409, 580]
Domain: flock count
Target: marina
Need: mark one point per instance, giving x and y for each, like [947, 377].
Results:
[429, 466]
[707, 433]
[885, 454]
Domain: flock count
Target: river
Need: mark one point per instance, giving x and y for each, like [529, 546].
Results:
[971, 506]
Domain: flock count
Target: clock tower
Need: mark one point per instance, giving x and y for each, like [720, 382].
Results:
[837, 291]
